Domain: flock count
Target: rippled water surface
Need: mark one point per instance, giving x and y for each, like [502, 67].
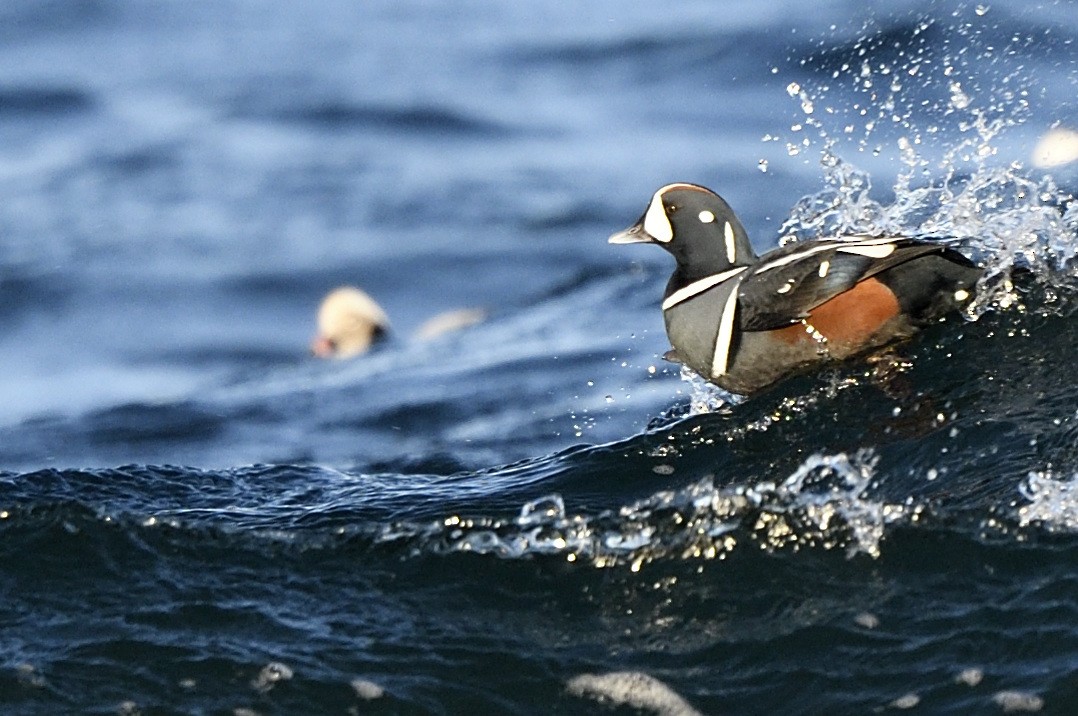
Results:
[535, 514]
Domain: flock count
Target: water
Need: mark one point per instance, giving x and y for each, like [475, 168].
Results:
[537, 514]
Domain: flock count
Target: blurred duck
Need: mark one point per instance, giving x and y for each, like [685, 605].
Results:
[1057, 147]
[350, 322]
[449, 321]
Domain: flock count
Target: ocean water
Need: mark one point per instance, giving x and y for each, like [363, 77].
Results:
[534, 515]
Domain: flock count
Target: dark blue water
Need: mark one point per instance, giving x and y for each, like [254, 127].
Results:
[537, 514]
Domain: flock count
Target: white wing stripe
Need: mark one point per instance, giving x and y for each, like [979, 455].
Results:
[792, 258]
[879, 251]
[873, 248]
[698, 287]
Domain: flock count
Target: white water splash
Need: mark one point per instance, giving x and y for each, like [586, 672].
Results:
[705, 397]
[1002, 218]
[826, 503]
[951, 180]
[1053, 504]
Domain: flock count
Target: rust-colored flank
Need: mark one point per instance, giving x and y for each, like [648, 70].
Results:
[849, 319]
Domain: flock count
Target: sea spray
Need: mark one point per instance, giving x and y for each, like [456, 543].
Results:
[930, 110]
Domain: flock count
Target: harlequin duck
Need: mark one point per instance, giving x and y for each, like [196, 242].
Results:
[350, 323]
[744, 321]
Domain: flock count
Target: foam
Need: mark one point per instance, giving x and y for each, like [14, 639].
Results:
[633, 689]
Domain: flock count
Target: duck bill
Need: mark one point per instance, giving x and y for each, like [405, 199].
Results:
[322, 347]
[635, 234]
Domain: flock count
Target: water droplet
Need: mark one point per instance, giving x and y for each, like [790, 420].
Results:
[958, 98]
[1018, 701]
[367, 690]
[906, 702]
[610, 398]
[271, 673]
[866, 620]
[969, 677]
[762, 165]
[793, 89]
[982, 10]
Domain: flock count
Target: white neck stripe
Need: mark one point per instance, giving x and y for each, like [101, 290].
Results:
[720, 359]
[698, 287]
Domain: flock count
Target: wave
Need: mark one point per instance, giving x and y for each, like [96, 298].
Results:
[434, 120]
[585, 512]
[27, 289]
[21, 19]
[20, 102]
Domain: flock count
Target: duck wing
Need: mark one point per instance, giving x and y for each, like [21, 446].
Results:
[786, 285]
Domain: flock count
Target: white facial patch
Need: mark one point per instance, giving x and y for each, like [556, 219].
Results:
[731, 247]
[706, 217]
[656, 222]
